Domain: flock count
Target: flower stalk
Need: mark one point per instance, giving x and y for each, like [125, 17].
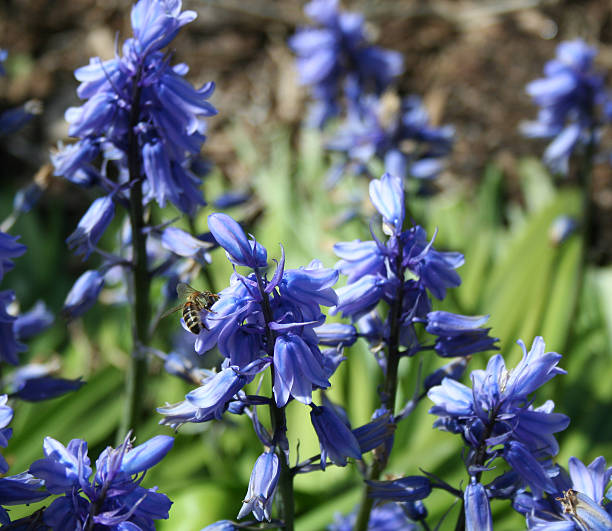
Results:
[389, 396]
[140, 282]
[278, 421]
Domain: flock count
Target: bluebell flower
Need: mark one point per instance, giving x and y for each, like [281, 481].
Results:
[310, 285]
[12, 120]
[262, 487]
[454, 370]
[113, 495]
[409, 488]
[32, 322]
[334, 334]
[335, 438]
[360, 297]
[9, 345]
[387, 196]
[221, 525]
[332, 358]
[140, 85]
[523, 461]
[73, 161]
[561, 228]
[459, 335]
[21, 488]
[240, 251]
[477, 508]
[156, 23]
[372, 329]
[399, 135]
[3, 56]
[297, 368]
[37, 388]
[6, 415]
[416, 510]
[184, 244]
[568, 97]
[377, 432]
[83, 294]
[436, 270]
[176, 415]
[231, 199]
[213, 398]
[9, 248]
[91, 227]
[28, 196]
[359, 259]
[337, 58]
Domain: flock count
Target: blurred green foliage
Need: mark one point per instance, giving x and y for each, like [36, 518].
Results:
[513, 272]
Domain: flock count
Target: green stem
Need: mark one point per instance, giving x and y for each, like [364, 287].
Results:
[585, 180]
[479, 459]
[278, 421]
[285, 480]
[140, 284]
[389, 396]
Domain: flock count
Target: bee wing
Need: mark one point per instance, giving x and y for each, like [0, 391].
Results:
[183, 290]
[171, 311]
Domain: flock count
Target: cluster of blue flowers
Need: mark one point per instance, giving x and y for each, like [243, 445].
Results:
[32, 382]
[397, 133]
[140, 131]
[260, 323]
[335, 59]
[112, 498]
[573, 103]
[9, 345]
[139, 101]
[376, 125]
[496, 419]
[403, 272]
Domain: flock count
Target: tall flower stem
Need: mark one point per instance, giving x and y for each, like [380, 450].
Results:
[388, 398]
[278, 420]
[140, 283]
[285, 480]
[479, 459]
[587, 220]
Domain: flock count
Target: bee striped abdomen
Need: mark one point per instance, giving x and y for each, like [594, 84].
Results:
[192, 316]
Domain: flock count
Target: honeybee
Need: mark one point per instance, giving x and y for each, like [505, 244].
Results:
[195, 302]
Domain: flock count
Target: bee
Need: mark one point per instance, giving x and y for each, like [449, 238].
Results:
[195, 302]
